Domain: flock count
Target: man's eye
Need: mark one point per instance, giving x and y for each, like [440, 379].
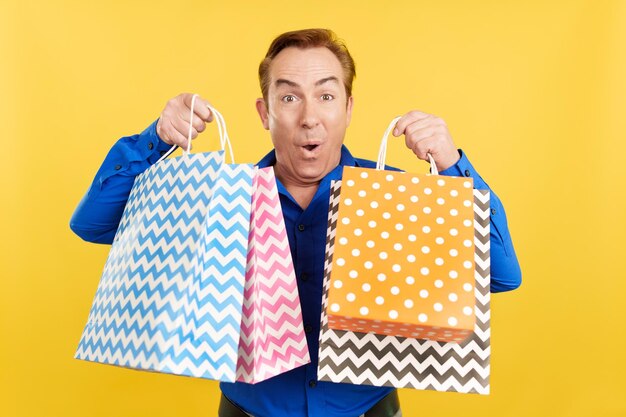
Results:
[289, 99]
[327, 97]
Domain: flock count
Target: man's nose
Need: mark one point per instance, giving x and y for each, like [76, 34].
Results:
[310, 116]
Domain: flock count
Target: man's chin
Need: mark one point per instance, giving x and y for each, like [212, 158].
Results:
[311, 173]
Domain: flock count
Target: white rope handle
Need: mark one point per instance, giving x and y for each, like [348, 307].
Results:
[225, 139]
[221, 127]
[382, 151]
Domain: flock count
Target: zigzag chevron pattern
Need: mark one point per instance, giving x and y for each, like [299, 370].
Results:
[171, 294]
[371, 359]
[272, 334]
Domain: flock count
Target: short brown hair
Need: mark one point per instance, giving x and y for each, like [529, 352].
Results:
[309, 38]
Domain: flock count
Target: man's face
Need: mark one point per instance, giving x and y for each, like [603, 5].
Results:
[307, 113]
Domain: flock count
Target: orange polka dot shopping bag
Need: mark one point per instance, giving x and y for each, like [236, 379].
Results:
[406, 299]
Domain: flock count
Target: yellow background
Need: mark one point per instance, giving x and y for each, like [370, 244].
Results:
[534, 92]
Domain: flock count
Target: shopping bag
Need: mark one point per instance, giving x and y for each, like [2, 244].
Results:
[171, 294]
[404, 254]
[409, 362]
[272, 333]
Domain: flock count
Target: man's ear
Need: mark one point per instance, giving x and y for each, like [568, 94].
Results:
[261, 108]
[349, 110]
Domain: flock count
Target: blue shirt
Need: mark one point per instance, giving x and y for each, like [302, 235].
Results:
[294, 393]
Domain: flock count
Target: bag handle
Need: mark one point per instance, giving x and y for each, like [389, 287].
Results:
[221, 127]
[382, 152]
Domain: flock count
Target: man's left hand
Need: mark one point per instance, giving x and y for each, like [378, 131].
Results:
[427, 134]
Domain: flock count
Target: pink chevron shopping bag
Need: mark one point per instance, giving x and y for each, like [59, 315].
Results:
[272, 337]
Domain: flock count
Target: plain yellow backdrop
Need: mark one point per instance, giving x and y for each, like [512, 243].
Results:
[534, 92]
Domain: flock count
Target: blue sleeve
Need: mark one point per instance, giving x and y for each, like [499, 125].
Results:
[505, 270]
[99, 212]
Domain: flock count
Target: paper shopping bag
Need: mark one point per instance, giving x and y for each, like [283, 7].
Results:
[404, 258]
[170, 297]
[409, 362]
[404, 255]
[272, 333]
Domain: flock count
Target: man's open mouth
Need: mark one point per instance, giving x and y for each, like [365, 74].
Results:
[310, 147]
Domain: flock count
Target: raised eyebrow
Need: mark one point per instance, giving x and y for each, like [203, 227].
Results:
[282, 81]
[327, 79]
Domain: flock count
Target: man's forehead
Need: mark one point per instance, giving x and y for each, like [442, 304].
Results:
[309, 65]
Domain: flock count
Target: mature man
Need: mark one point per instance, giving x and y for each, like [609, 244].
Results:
[306, 81]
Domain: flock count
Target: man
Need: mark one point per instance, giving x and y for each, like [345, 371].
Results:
[306, 81]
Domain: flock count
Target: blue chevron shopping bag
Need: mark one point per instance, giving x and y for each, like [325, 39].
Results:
[170, 297]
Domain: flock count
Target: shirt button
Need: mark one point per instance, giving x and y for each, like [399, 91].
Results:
[304, 276]
[493, 211]
[301, 227]
[118, 167]
[312, 383]
[163, 153]
[308, 328]
[150, 145]
[467, 173]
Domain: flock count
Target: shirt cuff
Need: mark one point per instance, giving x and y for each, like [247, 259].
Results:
[132, 155]
[464, 168]
[153, 146]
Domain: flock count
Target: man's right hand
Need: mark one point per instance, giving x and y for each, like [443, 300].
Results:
[173, 125]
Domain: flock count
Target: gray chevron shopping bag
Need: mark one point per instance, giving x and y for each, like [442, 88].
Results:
[170, 297]
[408, 359]
[405, 362]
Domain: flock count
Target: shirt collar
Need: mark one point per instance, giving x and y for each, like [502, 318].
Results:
[346, 159]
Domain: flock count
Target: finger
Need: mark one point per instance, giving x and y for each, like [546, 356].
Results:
[425, 146]
[200, 108]
[182, 127]
[443, 158]
[176, 137]
[419, 134]
[428, 122]
[407, 119]
[197, 122]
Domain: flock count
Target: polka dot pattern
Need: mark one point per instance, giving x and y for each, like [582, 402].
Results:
[403, 260]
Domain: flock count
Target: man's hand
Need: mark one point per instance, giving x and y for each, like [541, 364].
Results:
[427, 134]
[173, 125]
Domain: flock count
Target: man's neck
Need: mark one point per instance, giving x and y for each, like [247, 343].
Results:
[301, 191]
[303, 194]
